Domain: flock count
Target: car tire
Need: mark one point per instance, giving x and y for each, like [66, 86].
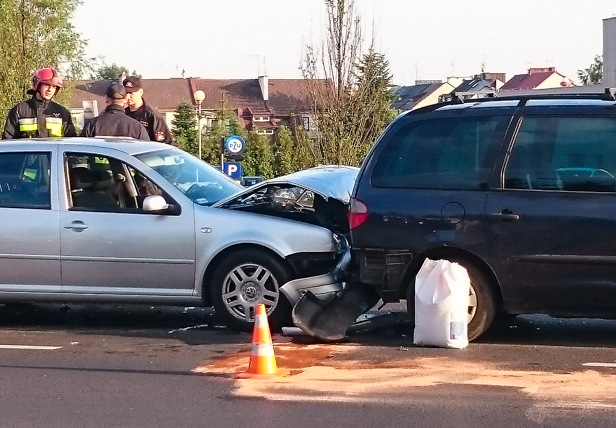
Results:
[482, 306]
[245, 279]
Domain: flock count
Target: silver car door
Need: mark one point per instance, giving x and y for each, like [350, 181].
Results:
[121, 249]
[29, 224]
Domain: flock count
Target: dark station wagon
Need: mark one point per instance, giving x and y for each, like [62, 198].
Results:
[520, 190]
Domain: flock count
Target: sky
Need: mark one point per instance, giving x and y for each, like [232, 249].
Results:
[422, 39]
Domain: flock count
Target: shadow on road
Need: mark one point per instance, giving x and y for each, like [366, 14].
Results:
[161, 322]
[196, 326]
[523, 330]
[545, 330]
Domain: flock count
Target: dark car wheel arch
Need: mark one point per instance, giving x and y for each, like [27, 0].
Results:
[453, 254]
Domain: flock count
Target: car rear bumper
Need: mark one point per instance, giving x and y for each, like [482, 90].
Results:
[382, 269]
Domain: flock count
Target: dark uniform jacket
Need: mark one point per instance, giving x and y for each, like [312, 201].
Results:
[38, 118]
[154, 124]
[113, 122]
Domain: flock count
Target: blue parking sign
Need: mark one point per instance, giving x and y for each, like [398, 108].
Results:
[233, 170]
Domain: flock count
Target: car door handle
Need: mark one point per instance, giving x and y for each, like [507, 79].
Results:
[77, 226]
[506, 215]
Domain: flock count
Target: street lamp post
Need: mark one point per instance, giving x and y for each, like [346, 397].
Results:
[199, 97]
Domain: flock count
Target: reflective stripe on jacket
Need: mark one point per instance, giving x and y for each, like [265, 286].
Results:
[37, 118]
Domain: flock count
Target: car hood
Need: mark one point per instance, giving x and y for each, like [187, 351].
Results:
[317, 195]
[334, 181]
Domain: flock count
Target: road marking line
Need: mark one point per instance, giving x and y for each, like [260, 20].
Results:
[41, 348]
[188, 328]
[599, 364]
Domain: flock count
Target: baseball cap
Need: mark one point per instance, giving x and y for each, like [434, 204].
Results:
[116, 91]
[132, 84]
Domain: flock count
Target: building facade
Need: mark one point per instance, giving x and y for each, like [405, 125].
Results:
[261, 105]
[609, 52]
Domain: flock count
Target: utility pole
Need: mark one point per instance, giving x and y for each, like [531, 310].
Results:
[222, 143]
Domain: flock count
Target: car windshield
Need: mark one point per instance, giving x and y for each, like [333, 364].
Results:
[203, 184]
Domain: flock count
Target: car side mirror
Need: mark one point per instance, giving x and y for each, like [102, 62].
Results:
[154, 203]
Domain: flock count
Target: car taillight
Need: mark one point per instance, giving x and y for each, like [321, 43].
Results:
[358, 213]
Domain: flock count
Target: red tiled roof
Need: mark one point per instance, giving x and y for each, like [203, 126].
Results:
[286, 96]
[289, 94]
[164, 94]
[86, 90]
[238, 94]
[528, 81]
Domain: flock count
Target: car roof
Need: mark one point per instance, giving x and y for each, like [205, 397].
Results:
[126, 145]
[511, 100]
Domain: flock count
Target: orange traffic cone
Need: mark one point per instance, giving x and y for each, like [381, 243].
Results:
[262, 358]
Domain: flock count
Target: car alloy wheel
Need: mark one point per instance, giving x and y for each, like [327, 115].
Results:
[246, 278]
[245, 287]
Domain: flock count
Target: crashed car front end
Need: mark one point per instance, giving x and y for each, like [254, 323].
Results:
[317, 196]
[324, 305]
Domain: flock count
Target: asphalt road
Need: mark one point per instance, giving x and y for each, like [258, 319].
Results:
[133, 366]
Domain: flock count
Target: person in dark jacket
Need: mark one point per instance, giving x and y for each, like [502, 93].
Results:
[40, 116]
[144, 113]
[113, 121]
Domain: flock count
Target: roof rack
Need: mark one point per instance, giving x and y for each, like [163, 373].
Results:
[608, 95]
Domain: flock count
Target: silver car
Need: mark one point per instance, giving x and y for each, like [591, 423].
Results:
[111, 220]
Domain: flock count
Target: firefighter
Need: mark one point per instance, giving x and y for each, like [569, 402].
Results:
[144, 113]
[113, 122]
[40, 116]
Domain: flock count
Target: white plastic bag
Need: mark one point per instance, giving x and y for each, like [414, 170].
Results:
[441, 305]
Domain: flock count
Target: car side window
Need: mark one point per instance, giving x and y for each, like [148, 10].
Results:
[144, 186]
[446, 153]
[562, 153]
[91, 182]
[99, 183]
[25, 180]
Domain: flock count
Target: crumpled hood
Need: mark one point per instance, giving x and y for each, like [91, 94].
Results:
[329, 181]
[333, 181]
[317, 195]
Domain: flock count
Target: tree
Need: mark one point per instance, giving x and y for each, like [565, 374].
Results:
[283, 148]
[258, 157]
[592, 75]
[372, 100]
[225, 124]
[343, 84]
[184, 128]
[35, 34]
[104, 71]
[110, 72]
[303, 151]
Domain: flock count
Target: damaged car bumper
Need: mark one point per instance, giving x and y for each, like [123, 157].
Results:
[325, 304]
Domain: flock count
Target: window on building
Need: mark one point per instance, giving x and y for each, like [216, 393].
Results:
[306, 122]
